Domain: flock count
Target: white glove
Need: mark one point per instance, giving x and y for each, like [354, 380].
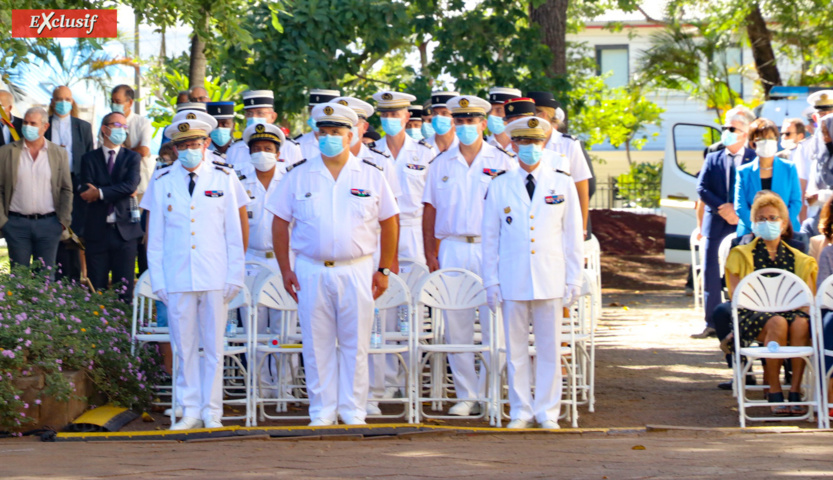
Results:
[229, 292]
[493, 297]
[571, 294]
[163, 295]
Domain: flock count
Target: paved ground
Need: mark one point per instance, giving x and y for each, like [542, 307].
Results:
[649, 373]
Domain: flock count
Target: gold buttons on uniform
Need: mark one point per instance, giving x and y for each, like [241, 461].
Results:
[192, 207]
[192, 220]
[193, 247]
[532, 240]
[533, 252]
[531, 216]
[532, 228]
[192, 233]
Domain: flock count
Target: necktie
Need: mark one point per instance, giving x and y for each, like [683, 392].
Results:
[111, 161]
[191, 184]
[530, 185]
[730, 194]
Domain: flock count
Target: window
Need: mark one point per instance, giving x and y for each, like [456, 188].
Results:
[613, 60]
[732, 60]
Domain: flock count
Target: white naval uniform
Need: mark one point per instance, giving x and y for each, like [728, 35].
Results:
[532, 249]
[457, 192]
[308, 145]
[334, 238]
[238, 154]
[195, 248]
[260, 250]
[567, 146]
[432, 141]
[491, 140]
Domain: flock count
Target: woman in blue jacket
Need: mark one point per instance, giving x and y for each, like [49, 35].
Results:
[767, 172]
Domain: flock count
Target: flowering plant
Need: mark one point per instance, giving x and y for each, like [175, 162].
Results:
[52, 327]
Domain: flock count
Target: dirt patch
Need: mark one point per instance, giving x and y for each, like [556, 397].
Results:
[626, 233]
[638, 273]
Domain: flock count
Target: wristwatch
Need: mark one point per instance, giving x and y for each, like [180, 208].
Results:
[384, 271]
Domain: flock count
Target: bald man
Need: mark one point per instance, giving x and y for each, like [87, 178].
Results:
[8, 123]
[76, 137]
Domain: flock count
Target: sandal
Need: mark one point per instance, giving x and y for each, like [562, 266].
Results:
[797, 410]
[780, 410]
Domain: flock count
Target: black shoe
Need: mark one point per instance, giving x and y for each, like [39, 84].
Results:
[727, 385]
[706, 333]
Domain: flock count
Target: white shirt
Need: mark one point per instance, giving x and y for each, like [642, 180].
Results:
[532, 248]
[802, 160]
[62, 134]
[195, 242]
[385, 161]
[32, 187]
[7, 134]
[111, 218]
[238, 154]
[260, 219]
[308, 145]
[457, 190]
[335, 220]
[411, 172]
[570, 148]
[139, 133]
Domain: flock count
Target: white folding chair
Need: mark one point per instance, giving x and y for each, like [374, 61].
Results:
[237, 378]
[398, 296]
[722, 255]
[593, 262]
[454, 289]
[698, 252]
[824, 301]
[773, 290]
[285, 347]
[144, 330]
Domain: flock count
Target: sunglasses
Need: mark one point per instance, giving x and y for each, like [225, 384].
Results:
[117, 125]
[787, 134]
[733, 129]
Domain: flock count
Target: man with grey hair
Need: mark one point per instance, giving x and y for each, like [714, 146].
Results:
[9, 125]
[198, 95]
[35, 191]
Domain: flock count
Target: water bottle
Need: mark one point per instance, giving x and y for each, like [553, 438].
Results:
[135, 211]
[231, 324]
[772, 346]
[376, 333]
[404, 327]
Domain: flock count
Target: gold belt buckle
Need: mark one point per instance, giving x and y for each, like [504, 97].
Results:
[470, 239]
[329, 263]
[270, 254]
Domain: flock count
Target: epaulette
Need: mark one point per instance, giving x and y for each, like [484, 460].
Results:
[167, 165]
[567, 135]
[499, 173]
[297, 137]
[163, 174]
[293, 140]
[240, 176]
[364, 160]
[436, 157]
[562, 172]
[374, 150]
[222, 164]
[425, 144]
[289, 168]
[510, 154]
[222, 170]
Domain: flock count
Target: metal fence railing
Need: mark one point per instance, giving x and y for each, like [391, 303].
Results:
[613, 194]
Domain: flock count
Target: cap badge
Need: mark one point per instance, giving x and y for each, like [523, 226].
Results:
[328, 110]
[342, 102]
[532, 123]
[183, 127]
[191, 116]
[260, 128]
[510, 107]
[464, 103]
[387, 96]
[823, 96]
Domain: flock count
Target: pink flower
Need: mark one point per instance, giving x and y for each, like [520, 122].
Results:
[37, 401]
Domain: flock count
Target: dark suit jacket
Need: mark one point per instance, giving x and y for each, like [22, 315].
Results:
[17, 123]
[82, 140]
[116, 187]
[713, 191]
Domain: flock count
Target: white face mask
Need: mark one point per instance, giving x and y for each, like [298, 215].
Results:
[766, 148]
[264, 161]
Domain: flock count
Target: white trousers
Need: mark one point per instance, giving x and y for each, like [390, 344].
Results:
[198, 318]
[545, 317]
[410, 240]
[335, 309]
[459, 325]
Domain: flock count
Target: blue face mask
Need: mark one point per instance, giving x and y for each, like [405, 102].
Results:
[221, 136]
[427, 129]
[31, 133]
[467, 134]
[729, 138]
[496, 125]
[414, 133]
[530, 154]
[311, 123]
[330, 145]
[254, 121]
[392, 126]
[62, 107]
[118, 135]
[767, 230]
[441, 124]
[118, 108]
[190, 158]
